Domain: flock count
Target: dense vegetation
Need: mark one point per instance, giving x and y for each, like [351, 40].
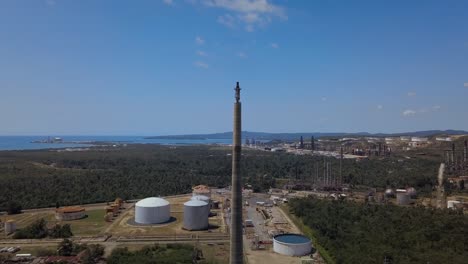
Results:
[365, 233]
[170, 254]
[46, 178]
[90, 254]
[38, 229]
[13, 208]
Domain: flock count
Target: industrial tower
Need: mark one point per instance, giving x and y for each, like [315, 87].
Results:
[236, 254]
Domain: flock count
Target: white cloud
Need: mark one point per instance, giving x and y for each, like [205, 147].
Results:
[409, 112]
[436, 107]
[199, 40]
[465, 84]
[247, 6]
[252, 14]
[250, 17]
[274, 45]
[227, 20]
[201, 53]
[241, 55]
[324, 99]
[411, 94]
[379, 107]
[201, 64]
[168, 2]
[249, 28]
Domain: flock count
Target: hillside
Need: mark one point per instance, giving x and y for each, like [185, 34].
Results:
[295, 136]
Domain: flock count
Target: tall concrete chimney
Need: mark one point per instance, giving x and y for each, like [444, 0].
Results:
[236, 254]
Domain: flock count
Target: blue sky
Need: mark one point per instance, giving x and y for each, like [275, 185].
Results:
[153, 67]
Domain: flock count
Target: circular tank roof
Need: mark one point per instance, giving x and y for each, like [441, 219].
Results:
[195, 203]
[200, 198]
[292, 239]
[152, 202]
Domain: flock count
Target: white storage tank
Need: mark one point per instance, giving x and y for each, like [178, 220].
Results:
[205, 199]
[195, 216]
[389, 193]
[411, 192]
[152, 210]
[452, 203]
[10, 227]
[292, 244]
[201, 198]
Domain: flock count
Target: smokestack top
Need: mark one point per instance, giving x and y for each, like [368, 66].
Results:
[237, 89]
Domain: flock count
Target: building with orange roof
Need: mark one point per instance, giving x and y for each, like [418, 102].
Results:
[70, 213]
[201, 190]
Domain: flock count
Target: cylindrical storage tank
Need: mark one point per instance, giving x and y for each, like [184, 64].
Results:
[108, 217]
[10, 227]
[70, 213]
[152, 210]
[411, 192]
[204, 199]
[389, 193]
[119, 201]
[201, 198]
[201, 190]
[451, 204]
[292, 244]
[402, 198]
[195, 216]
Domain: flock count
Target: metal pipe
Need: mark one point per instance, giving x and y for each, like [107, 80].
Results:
[465, 152]
[453, 153]
[341, 166]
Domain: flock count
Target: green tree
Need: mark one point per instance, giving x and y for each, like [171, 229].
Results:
[65, 248]
[92, 254]
[14, 208]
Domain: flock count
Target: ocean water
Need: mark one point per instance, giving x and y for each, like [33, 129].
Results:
[25, 142]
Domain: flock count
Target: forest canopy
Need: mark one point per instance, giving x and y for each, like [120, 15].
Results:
[45, 178]
[368, 233]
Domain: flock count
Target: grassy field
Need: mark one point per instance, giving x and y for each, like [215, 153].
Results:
[34, 250]
[213, 254]
[125, 226]
[92, 225]
[24, 219]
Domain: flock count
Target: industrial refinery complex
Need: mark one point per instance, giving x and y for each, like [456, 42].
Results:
[240, 224]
